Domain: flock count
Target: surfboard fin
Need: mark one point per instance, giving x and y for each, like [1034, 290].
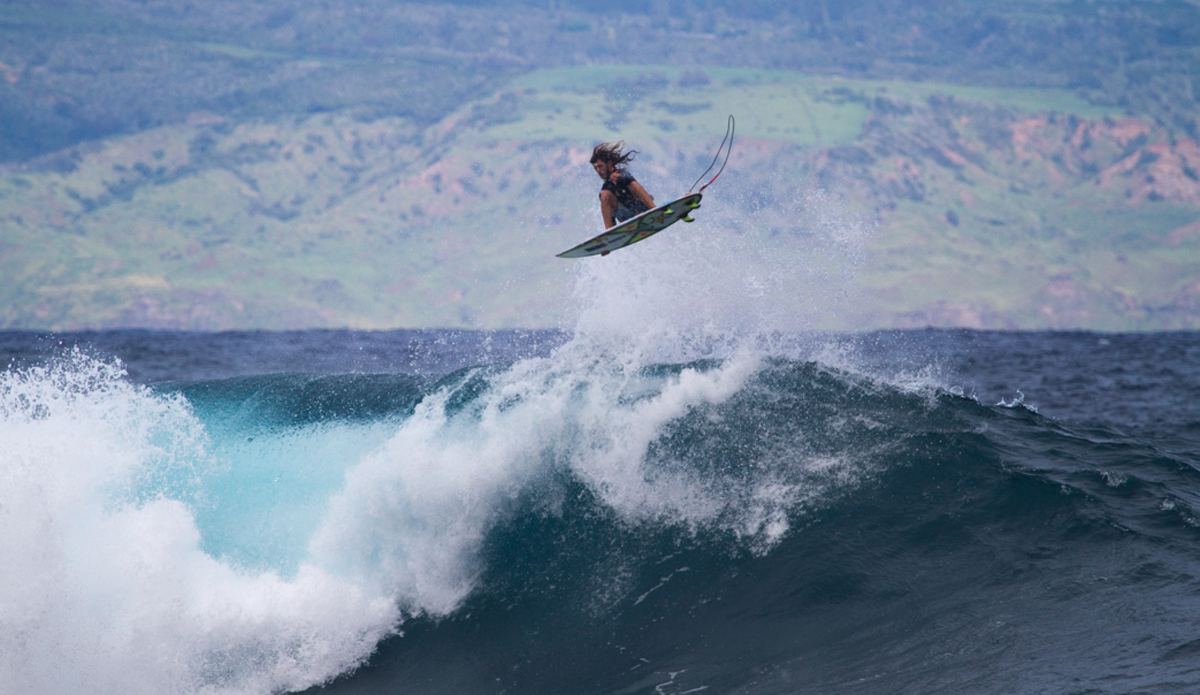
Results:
[688, 218]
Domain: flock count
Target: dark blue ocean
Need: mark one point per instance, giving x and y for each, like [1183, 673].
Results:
[545, 512]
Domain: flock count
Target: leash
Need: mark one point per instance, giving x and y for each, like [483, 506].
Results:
[729, 128]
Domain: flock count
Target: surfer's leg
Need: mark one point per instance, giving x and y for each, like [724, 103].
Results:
[608, 207]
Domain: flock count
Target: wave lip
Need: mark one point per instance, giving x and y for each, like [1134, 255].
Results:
[413, 515]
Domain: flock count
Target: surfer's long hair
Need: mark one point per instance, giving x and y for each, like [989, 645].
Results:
[611, 152]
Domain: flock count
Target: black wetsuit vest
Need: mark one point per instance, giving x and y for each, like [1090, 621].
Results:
[627, 203]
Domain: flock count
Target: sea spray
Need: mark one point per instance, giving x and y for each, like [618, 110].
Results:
[763, 273]
[413, 515]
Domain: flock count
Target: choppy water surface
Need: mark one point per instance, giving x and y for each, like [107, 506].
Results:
[467, 512]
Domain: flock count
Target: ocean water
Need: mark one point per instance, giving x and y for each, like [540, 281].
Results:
[698, 497]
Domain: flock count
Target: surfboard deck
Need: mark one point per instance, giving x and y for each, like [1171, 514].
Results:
[635, 229]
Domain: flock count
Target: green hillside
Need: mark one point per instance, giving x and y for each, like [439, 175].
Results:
[986, 206]
[381, 163]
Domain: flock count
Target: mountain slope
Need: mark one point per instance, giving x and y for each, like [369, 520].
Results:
[1023, 208]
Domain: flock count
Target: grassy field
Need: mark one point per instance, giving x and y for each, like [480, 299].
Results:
[951, 205]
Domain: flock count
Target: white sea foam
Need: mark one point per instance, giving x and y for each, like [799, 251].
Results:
[102, 592]
[413, 515]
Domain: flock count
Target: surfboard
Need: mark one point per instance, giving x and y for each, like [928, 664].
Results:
[635, 229]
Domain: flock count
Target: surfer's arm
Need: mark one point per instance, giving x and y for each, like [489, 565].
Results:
[640, 193]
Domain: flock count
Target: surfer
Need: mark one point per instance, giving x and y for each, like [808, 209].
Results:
[622, 196]
[630, 214]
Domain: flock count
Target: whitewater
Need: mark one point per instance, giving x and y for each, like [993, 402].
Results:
[688, 488]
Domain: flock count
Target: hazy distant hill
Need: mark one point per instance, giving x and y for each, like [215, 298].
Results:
[74, 70]
[374, 164]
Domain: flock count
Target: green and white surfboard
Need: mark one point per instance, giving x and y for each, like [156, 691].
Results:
[634, 229]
